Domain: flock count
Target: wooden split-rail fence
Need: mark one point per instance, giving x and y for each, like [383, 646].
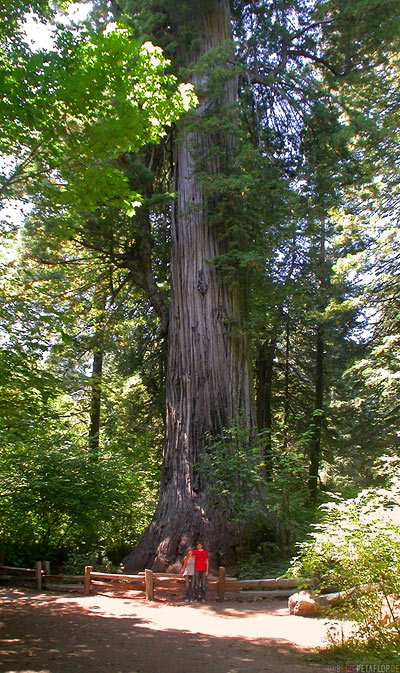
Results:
[148, 582]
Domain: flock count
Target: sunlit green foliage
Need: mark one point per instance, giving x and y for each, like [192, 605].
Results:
[57, 497]
[356, 547]
[70, 113]
[317, 158]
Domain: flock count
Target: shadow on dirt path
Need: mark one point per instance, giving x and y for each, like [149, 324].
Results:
[44, 633]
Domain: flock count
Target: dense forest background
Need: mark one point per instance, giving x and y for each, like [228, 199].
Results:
[293, 158]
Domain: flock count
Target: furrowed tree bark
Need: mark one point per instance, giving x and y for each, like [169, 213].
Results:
[208, 374]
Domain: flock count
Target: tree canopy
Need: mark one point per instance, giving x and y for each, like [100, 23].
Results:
[202, 298]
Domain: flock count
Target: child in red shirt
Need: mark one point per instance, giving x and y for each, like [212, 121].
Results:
[200, 572]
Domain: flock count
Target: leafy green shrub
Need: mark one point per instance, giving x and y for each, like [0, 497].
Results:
[76, 562]
[266, 561]
[58, 502]
[357, 548]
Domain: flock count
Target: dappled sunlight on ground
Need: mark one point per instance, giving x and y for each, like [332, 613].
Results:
[212, 620]
[47, 633]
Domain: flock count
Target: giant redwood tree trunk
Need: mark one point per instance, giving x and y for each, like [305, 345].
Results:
[208, 375]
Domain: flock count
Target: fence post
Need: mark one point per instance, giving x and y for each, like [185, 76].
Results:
[221, 583]
[149, 584]
[86, 580]
[38, 575]
[46, 571]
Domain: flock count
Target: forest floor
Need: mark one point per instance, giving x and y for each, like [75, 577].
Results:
[60, 633]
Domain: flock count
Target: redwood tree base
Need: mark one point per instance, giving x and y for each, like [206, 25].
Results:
[165, 541]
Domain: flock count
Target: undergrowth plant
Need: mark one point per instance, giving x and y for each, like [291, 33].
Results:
[357, 548]
[269, 502]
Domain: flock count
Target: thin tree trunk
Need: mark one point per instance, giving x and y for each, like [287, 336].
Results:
[264, 371]
[138, 258]
[315, 443]
[265, 368]
[208, 374]
[95, 408]
[287, 380]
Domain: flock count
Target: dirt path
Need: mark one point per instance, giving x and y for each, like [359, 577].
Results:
[48, 633]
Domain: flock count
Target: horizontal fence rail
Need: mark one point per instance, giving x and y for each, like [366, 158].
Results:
[150, 582]
[31, 574]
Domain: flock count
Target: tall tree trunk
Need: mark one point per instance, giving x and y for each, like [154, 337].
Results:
[264, 371]
[287, 383]
[95, 407]
[208, 375]
[315, 442]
